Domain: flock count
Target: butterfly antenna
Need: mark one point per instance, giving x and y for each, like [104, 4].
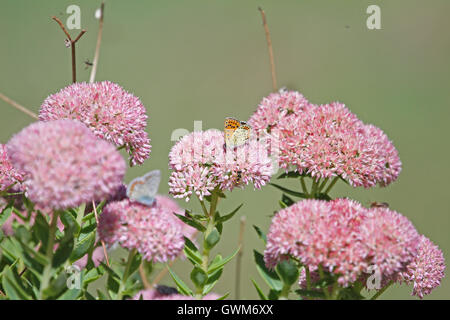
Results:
[101, 241]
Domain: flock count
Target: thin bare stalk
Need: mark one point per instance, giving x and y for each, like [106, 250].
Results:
[269, 47]
[161, 275]
[147, 285]
[103, 243]
[97, 46]
[72, 46]
[237, 285]
[18, 106]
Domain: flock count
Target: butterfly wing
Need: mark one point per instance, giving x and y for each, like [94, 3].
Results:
[242, 134]
[143, 189]
[231, 125]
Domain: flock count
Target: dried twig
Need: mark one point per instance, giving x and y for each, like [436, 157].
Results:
[269, 47]
[147, 285]
[161, 275]
[18, 106]
[72, 46]
[237, 286]
[102, 242]
[97, 47]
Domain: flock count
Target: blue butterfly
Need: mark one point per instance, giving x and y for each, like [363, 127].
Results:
[143, 189]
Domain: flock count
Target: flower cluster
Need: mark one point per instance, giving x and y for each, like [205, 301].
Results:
[426, 271]
[65, 164]
[201, 162]
[153, 230]
[326, 141]
[108, 110]
[9, 176]
[345, 239]
[278, 108]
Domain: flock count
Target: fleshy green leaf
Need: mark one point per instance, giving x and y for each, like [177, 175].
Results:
[192, 256]
[188, 243]
[288, 271]
[137, 259]
[274, 294]
[212, 239]
[261, 295]
[182, 287]
[269, 276]
[191, 222]
[230, 215]
[6, 213]
[198, 277]
[64, 251]
[41, 229]
[57, 287]
[69, 221]
[287, 200]
[212, 280]
[83, 245]
[288, 191]
[260, 233]
[224, 296]
[291, 174]
[215, 265]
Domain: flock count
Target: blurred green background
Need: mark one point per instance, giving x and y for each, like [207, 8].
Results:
[205, 60]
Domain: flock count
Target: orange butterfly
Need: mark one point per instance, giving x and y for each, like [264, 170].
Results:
[237, 132]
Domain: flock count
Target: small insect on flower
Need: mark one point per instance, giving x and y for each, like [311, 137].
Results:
[239, 176]
[237, 132]
[143, 189]
[67, 43]
[376, 204]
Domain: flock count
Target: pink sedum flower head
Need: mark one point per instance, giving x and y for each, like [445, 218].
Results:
[108, 110]
[343, 237]
[329, 141]
[276, 108]
[426, 270]
[151, 230]
[326, 141]
[201, 162]
[9, 176]
[390, 239]
[65, 164]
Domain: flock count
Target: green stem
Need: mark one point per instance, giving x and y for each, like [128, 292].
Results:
[335, 291]
[126, 274]
[308, 278]
[322, 276]
[331, 185]
[381, 291]
[210, 224]
[314, 187]
[205, 211]
[305, 190]
[284, 295]
[323, 185]
[47, 273]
